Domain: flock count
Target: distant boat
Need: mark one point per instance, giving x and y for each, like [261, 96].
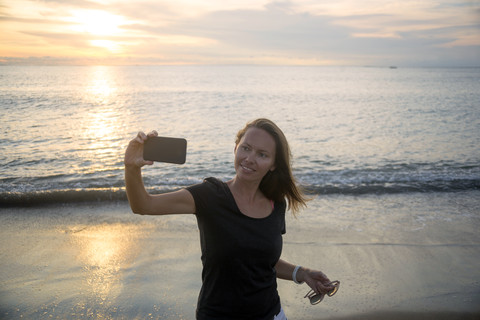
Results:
[393, 67]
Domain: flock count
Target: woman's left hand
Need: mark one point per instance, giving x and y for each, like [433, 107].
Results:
[315, 279]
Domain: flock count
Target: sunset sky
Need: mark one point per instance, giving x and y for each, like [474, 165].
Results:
[296, 32]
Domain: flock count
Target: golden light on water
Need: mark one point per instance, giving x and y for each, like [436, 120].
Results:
[102, 121]
[100, 84]
[103, 251]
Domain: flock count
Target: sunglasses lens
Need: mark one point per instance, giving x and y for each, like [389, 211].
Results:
[316, 298]
[334, 290]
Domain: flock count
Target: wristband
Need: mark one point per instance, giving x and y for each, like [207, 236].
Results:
[294, 275]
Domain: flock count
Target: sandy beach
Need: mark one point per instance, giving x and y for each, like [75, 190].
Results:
[410, 256]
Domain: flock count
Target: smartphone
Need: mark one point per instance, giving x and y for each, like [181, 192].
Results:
[165, 149]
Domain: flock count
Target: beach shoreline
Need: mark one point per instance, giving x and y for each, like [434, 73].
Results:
[100, 261]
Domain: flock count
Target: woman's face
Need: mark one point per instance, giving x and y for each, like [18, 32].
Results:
[255, 155]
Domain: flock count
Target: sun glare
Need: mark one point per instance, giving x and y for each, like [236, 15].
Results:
[108, 44]
[97, 22]
[103, 27]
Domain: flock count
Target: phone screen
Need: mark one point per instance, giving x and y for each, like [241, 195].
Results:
[165, 149]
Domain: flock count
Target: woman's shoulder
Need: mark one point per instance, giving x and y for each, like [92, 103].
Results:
[209, 193]
[210, 183]
[214, 181]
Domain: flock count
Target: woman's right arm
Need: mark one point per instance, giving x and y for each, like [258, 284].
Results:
[140, 200]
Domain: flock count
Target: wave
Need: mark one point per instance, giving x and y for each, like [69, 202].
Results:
[392, 188]
[393, 179]
[317, 180]
[38, 198]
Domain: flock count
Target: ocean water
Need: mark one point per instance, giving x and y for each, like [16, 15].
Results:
[352, 130]
[390, 156]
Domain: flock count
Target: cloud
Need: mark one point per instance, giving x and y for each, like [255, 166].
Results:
[279, 30]
[372, 32]
[273, 31]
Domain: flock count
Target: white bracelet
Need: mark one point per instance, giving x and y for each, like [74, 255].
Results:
[294, 275]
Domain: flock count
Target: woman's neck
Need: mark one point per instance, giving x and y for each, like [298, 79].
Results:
[245, 191]
[249, 199]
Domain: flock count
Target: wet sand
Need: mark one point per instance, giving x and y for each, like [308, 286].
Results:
[99, 261]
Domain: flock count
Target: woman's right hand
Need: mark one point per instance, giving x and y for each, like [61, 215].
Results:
[141, 202]
[134, 151]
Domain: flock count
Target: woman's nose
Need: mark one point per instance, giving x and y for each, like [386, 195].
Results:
[250, 157]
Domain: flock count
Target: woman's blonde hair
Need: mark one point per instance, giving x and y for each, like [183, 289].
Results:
[279, 183]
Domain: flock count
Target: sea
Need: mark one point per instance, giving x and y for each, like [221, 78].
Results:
[352, 130]
[389, 157]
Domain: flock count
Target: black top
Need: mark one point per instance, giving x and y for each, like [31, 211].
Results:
[239, 254]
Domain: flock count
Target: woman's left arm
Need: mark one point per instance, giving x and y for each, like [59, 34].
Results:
[315, 279]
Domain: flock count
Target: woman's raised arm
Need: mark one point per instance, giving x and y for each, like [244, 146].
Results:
[141, 202]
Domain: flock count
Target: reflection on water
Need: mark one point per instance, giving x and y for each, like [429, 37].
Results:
[103, 121]
[101, 83]
[103, 251]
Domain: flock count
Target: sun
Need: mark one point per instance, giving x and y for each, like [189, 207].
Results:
[97, 22]
[101, 28]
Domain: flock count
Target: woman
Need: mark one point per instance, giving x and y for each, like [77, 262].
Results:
[241, 223]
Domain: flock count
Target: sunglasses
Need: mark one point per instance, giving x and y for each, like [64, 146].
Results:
[316, 298]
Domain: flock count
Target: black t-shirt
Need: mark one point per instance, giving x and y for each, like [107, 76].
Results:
[239, 254]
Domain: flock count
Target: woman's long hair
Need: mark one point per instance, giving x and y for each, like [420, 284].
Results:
[279, 183]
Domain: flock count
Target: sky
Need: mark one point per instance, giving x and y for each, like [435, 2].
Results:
[414, 33]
